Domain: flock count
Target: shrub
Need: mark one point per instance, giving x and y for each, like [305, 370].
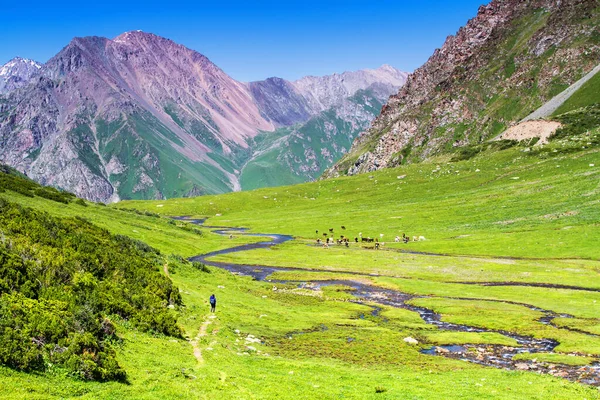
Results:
[577, 122]
[52, 194]
[466, 153]
[61, 279]
[200, 266]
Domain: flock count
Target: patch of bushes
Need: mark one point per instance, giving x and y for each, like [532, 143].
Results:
[10, 179]
[60, 282]
[577, 122]
[190, 228]
[139, 212]
[200, 267]
[468, 152]
[51, 194]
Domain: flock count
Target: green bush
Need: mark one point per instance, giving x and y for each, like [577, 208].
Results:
[466, 153]
[200, 267]
[61, 279]
[577, 122]
[52, 194]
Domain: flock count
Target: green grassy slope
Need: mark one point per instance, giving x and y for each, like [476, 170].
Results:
[587, 95]
[161, 233]
[521, 202]
[338, 348]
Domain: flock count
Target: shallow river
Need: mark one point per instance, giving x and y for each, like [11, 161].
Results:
[490, 355]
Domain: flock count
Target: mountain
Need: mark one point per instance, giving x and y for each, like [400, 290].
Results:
[502, 65]
[302, 153]
[141, 116]
[286, 103]
[16, 73]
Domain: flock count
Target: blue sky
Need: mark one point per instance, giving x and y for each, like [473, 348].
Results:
[250, 40]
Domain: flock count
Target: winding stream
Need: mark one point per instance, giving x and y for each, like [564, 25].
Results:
[485, 354]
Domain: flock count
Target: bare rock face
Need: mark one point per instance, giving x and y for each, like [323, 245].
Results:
[503, 64]
[16, 73]
[140, 117]
[280, 102]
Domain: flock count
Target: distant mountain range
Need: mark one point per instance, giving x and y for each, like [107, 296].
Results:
[140, 116]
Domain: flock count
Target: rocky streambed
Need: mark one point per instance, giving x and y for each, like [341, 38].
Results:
[498, 356]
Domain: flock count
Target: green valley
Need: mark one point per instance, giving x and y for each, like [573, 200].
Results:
[494, 246]
[451, 253]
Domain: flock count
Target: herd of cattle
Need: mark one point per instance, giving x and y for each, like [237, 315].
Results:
[343, 240]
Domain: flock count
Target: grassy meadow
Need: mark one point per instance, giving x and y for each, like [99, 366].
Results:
[521, 216]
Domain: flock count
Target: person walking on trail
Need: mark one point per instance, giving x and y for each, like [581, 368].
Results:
[213, 303]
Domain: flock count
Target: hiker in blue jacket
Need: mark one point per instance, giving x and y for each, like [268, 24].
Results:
[213, 303]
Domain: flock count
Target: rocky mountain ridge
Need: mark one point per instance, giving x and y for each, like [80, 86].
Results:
[141, 116]
[503, 64]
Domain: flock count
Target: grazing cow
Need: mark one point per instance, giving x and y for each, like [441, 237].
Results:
[356, 239]
[406, 239]
[377, 246]
[381, 235]
[414, 238]
[421, 238]
[360, 234]
[347, 244]
[324, 234]
[327, 240]
[318, 241]
[397, 239]
[343, 227]
[317, 232]
[331, 230]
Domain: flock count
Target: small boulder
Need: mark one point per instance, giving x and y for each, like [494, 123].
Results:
[411, 340]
